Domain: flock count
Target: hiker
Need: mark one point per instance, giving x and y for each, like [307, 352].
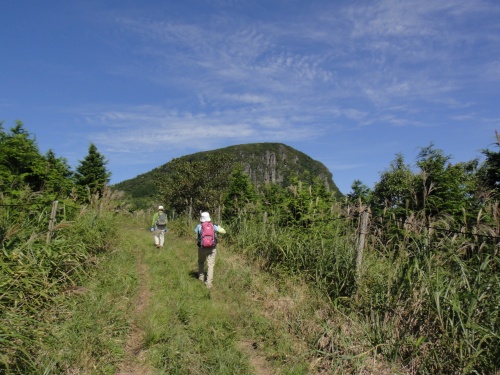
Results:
[207, 242]
[159, 227]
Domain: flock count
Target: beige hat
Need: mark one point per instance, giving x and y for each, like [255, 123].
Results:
[160, 208]
[205, 216]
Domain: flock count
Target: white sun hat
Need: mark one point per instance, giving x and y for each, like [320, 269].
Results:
[205, 216]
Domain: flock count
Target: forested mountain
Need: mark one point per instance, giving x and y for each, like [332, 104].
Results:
[265, 163]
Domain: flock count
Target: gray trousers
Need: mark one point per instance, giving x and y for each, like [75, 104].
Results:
[206, 254]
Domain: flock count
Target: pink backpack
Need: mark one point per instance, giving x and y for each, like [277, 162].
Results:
[207, 235]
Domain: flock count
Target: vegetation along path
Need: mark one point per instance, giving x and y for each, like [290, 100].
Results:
[143, 311]
[248, 323]
[178, 326]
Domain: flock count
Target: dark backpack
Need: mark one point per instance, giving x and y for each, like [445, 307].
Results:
[207, 235]
[162, 219]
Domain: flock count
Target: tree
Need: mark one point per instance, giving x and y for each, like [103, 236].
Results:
[197, 184]
[396, 189]
[359, 192]
[489, 172]
[175, 185]
[20, 160]
[444, 187]
[240, 192]
[91, 174]
[58, 175]
[304, 205]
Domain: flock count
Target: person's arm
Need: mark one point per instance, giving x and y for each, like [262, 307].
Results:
[219, 229]
[155, 217]
[197, 231]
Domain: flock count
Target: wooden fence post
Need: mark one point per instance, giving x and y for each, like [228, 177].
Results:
[361, 244]
[52, 220]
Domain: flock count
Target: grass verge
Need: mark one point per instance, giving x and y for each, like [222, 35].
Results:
[90, 325]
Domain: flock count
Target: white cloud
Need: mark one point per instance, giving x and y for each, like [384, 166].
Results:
[151, 128]
[388, 63]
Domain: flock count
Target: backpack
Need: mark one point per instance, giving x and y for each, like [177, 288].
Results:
[207, 235]
[162, 219]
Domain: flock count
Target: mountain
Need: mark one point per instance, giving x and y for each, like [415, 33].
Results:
[264, 162]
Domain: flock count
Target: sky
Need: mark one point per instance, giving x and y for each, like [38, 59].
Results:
[351, 83]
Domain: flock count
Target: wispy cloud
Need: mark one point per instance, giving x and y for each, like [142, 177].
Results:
[149, 129]
[330, 68]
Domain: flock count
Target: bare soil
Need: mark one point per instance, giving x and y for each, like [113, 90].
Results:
[257, 361]
[135, 363]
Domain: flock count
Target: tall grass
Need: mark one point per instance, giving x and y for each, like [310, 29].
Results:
[193, 330]
[90, 323]
[322, 254]
[439, 292]
[428, 299]
[35, 272]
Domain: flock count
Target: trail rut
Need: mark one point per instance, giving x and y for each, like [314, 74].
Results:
[134, 363]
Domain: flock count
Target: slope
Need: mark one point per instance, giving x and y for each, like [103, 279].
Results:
[264, 162]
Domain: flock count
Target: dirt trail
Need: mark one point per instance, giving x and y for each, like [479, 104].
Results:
[134, 363]
[257, 361]
[136, 359]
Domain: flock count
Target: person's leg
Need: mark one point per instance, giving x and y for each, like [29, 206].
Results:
[157, 238]
[162, 238]
[211, 265]
[202, 257]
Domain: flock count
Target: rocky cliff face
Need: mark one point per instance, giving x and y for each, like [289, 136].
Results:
[278, 163]
[270, 166]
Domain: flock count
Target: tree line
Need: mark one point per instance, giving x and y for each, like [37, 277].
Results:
[438, 188]
[23, 166]
[435, 188]
[432, 188]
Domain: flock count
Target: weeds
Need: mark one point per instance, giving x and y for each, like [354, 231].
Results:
[34, 273]
[426, 298]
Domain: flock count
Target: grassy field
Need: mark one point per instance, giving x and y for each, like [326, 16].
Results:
[130, 308]
[143, 311]
[184, 328]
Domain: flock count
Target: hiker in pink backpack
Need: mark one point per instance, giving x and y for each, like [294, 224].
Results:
[206, 233]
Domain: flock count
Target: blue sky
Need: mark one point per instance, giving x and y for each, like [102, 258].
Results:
[350, 83]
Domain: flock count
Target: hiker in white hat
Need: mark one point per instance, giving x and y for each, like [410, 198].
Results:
[206, 233]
